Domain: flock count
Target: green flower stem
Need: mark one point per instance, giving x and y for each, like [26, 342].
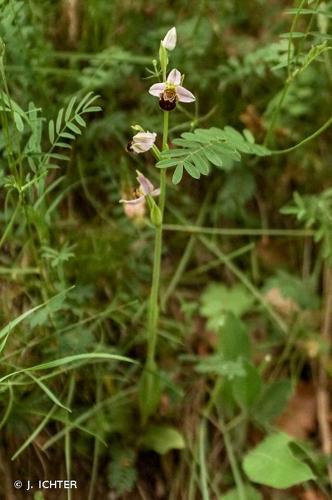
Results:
[153, 312]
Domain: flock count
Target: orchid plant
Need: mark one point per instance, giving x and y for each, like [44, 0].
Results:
[169, 92]
[194, 153]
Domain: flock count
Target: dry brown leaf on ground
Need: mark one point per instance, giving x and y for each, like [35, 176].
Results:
[299, 418]
[312, 495]
[284, 305]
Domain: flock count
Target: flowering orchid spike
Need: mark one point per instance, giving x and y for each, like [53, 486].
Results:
[170, 92]
[145, 189]
[169, 42]
[141, 142]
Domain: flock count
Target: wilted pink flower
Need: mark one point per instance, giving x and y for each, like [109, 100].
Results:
[141, 142]
[145, 188]
[170, 92]
[135, 212]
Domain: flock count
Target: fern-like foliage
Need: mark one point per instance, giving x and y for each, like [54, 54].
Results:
[69, 123]
[203, 147]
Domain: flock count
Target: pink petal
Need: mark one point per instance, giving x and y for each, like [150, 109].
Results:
[145, 184]
[157, 89]
[174, 77]
[155, 192]
[184, 95]
[136, 201]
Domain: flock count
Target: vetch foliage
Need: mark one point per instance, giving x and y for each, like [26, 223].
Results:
[205, 147]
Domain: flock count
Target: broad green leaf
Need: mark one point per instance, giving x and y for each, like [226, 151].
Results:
[250, 492]
[163, 439]
[233, 341]
[272, 463]
[247, 389]
[217, 300]
[273, 401]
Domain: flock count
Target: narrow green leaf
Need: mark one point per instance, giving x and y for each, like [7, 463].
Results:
[166, 163]
[59, 121]
[18, 122]
[70, 359]
[58, 156]
[64, 145]
[92, 109]
[48, 392]
[80, 120]
[84, 101]
[294, 34]
[51, 134]
[191, 169]
[213, 157]
[70, 108]
[178, 173]
[67, 135]
[74, 128]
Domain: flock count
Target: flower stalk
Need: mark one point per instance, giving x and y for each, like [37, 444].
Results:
[169, 92]
[153, 313]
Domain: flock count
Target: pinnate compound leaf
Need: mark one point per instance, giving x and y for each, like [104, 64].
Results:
[199, 149]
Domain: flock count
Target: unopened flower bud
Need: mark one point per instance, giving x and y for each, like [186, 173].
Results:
[155, 215]
[169, 42]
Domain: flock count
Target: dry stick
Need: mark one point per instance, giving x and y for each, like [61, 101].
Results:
[7, 482]
[323, 398]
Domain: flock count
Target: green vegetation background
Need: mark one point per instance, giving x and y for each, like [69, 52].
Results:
[244, 332]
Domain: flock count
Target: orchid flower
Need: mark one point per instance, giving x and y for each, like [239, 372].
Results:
[170, 92]
[141, 142]
[145, 189]
[135, 212]
[169, 42]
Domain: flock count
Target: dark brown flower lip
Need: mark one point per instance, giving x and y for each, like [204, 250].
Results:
[129, 146]
[166, 105]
